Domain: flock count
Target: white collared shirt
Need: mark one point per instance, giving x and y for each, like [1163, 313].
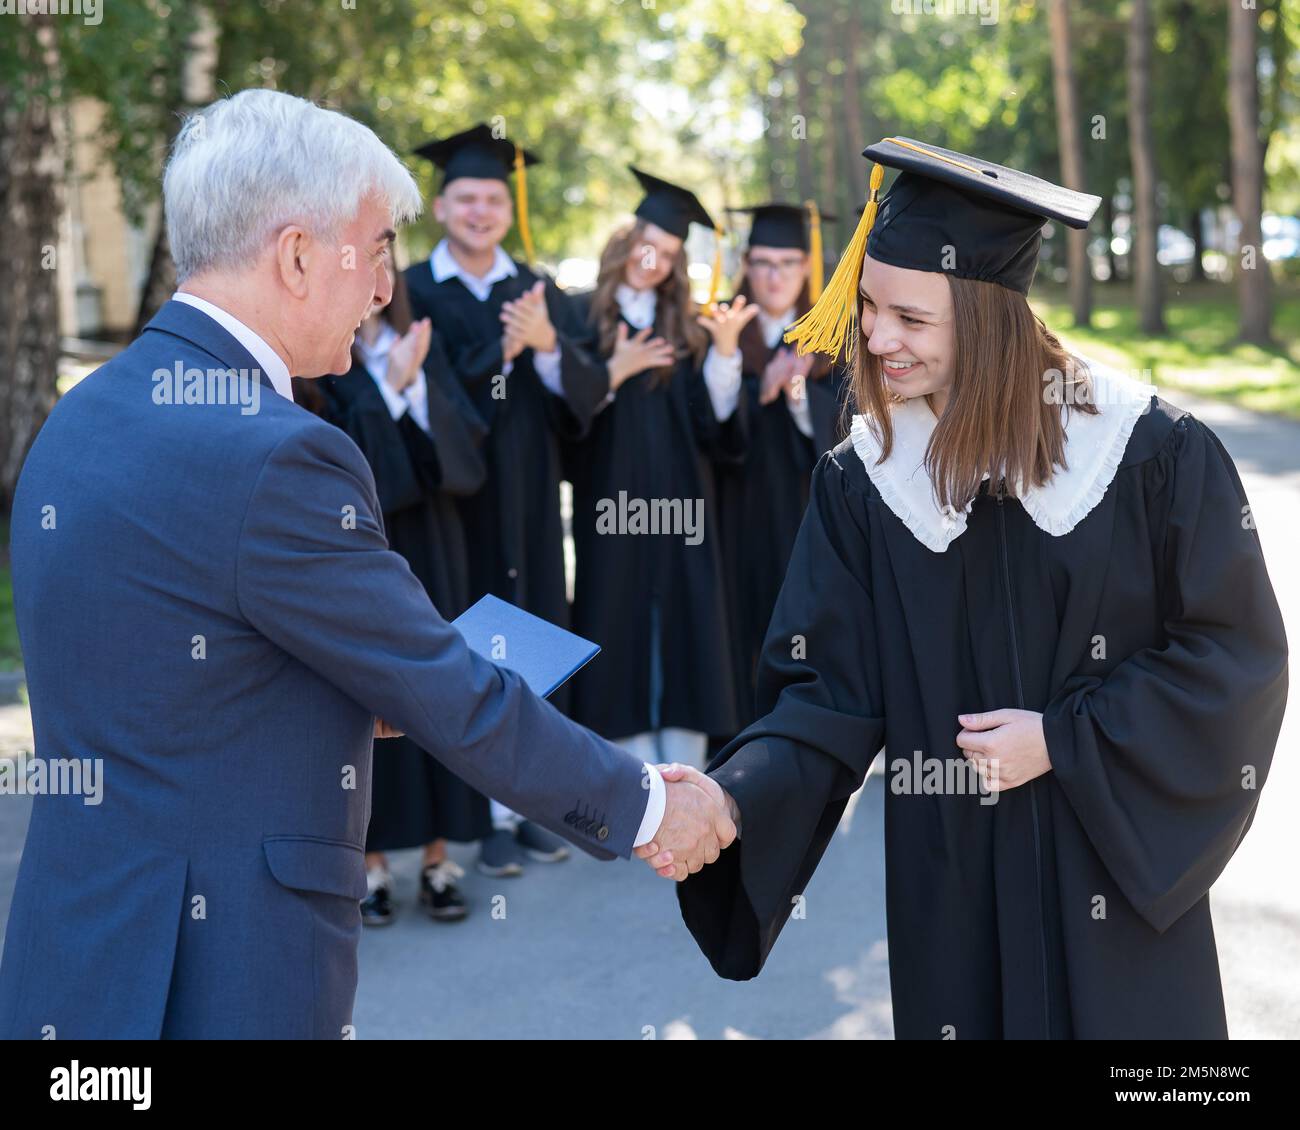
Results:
[721, 374]
[268, 360]
[414, 397]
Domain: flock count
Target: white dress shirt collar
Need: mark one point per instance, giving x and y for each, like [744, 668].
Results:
[268, 360]
[774, 328]
[637, 306]
[445, 266]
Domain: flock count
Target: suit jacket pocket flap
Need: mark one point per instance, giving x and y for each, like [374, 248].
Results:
[306, 864]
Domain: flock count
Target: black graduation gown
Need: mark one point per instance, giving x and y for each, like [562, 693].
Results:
[762, 500]
[994, 926]
[516, 549]
[418, 477]
[652, 443]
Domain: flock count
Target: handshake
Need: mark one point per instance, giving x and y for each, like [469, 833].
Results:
[700, 820]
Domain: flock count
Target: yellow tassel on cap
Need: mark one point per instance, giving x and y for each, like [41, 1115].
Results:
[826, 326]
[715, 278]
[814, 250]
[521, 204]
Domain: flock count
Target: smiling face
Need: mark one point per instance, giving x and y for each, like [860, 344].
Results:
[342, 281]
[477, 213]
[776, 275]
[906, 320]
[652, 258]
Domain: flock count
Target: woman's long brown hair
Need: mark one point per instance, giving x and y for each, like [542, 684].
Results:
[1003, 415]
[675, 311]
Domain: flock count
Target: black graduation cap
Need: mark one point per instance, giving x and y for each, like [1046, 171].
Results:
[474, 152]
[670, 206]
[949, 212]
[477, 152]
[782, 225]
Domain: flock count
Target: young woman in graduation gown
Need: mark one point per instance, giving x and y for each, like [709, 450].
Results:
[404, 408]
[654, 601]
[1032, 565]
[796, 411]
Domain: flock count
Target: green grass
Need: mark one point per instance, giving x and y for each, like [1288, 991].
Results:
[1199, 352]
[11, 657]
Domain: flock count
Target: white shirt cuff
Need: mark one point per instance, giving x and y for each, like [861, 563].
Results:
[722, 376]
[801, 411]
[547, 366]
[395, 400]
[655, 806]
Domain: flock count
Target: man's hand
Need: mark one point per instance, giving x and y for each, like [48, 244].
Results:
[527, 322]
[699, 822]
[1007, 747]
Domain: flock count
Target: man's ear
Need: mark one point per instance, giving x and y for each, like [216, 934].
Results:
[293, 251]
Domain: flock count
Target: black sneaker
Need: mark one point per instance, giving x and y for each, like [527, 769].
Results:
[500, 856]
[438, 893]
[538, 843]
[377, 906]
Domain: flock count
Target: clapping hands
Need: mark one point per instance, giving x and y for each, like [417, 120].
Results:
[700, 821]
[527, 323]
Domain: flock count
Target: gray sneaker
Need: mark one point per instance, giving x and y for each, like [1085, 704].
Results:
[499, 855]
[539, 844]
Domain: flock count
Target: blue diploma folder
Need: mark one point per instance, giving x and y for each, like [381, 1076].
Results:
[543, 655]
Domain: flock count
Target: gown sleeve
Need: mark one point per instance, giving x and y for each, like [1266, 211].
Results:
[792, 772]
[456, 431]
[1153, 757]
[583, 374]
[723, 441]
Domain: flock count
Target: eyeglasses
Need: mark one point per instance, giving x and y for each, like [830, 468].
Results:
[776, 266]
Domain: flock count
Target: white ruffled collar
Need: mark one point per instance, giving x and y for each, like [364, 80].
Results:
[1094, 449]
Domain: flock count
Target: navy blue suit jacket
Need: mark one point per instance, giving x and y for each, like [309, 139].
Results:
[207, 604]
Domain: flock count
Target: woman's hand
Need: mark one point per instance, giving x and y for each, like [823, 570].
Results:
[725, 323]
[636, 354]
[780, 373]
[1006, 746]
[408, 354]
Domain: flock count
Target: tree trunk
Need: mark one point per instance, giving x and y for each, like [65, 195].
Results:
[852, 102]
[195, 87]
[832, 197]
[1197, 227]
[1108, 218]
[1072, 168]
[803, 145]
[1142, 156]
[1253, 282]
[32, 177]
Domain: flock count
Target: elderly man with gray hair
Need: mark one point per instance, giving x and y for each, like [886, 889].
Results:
[207, 604]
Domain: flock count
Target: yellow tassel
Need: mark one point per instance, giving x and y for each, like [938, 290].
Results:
[521, 204]
[715, 279]
[814, 250]
[826, 326]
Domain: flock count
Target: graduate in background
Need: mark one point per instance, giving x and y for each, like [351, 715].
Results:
[651, 596]
[511, 338]
[796, 411]
[406, 411]
[1039, 587]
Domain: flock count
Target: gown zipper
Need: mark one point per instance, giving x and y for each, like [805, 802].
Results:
[1033, 792]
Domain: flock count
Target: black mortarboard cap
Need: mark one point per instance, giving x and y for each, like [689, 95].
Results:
[475, 152]
[780, 225]
[950, 212]
[946, 212]
[669, 206]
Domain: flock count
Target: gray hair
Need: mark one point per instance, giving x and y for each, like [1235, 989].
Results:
[244, 167]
